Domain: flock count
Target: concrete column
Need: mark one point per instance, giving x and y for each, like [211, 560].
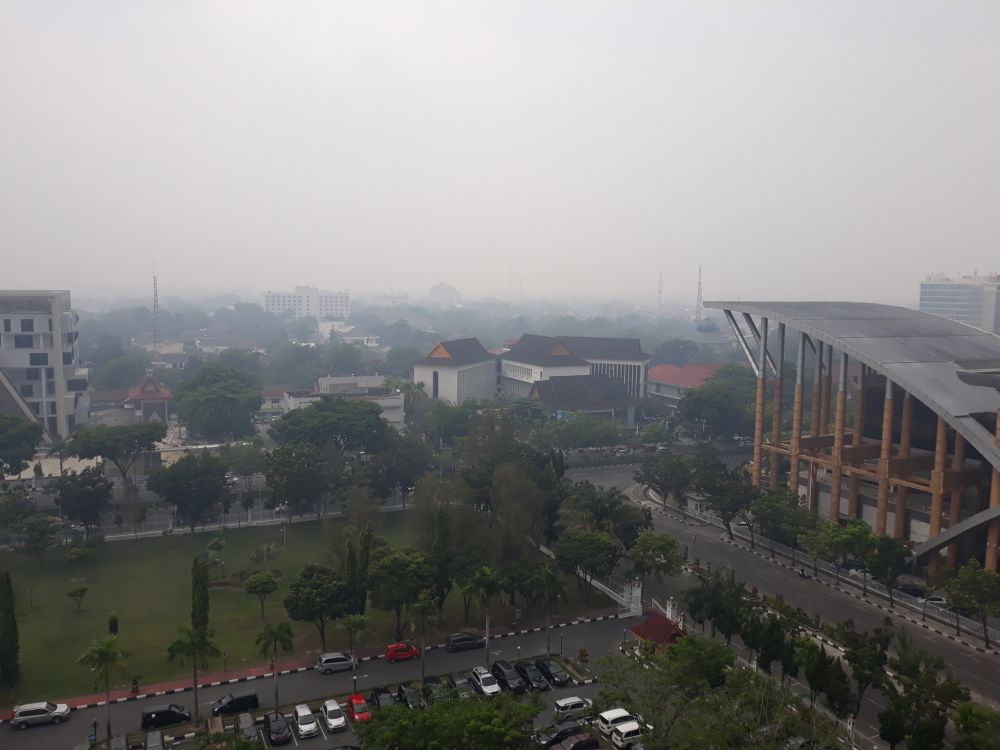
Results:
[955, 499]
[758, 427]
[793, 474]
[882, 508]
[817, 392]
[902, 493]
[857, 435]
[993, 534]
[826, 391]
[838, 441]
[779, 385]
[937, 487]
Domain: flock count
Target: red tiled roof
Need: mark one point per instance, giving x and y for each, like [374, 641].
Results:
[657, 628]
[148, 390]
[686, 376]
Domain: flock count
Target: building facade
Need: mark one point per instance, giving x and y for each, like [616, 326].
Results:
[309, 302]
[669, 383]
[969, 299]
[458, 371]
[41, 376]
[279, 401]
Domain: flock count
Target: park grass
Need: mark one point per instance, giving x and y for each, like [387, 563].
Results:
[147, 582]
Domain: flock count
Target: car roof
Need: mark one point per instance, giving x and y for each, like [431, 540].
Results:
[303, 708]
[627, 726]
[331, 703]
[331, 654]
[614, 713]
[571, 699]
[480, 670]
[30, 706]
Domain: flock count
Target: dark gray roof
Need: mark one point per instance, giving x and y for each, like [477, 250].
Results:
[456, 353]
[582, 393]
[599, 347]
[929, 356]
[554, 351]
[544, 351]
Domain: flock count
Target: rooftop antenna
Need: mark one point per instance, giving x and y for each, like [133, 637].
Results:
[156, 317]
[659, 295]
[700, 302]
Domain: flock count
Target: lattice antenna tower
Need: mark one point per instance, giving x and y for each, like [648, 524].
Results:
[156, 315]
[700, 303]
[659, 294]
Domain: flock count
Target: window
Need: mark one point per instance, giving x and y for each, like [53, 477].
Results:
[33, 374]
[27, 325]
[50, 372]
[27, 390]
[23, 342]
[67, 358]
[38, 360]
[6, 325]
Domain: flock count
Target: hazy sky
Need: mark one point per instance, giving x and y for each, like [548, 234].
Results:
[794, 149]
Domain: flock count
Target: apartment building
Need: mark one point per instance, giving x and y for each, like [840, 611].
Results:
[309, 302]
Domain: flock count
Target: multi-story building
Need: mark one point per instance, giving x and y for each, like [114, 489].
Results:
[309, 302]
[969, 299]
[669, 383]
[40, 373]
[458, 371]
[280, 401]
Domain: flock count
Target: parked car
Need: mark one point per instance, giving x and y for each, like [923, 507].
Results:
[434, 689]
[235, 703]
[334, 661]
[553, 735]
[626, 734]
[608, 720]
[357, 708]
[532, 677]
[463, 642]
[584, 741]
[305, 722]
[507, 676]
[401, 652]
[153, 741]
[246, 727]
[462, 687]
[409, 695]
[553, 672]
[484, 682]
[572, 708]
[333, 716]
[382, 698]
[155, 717]
[936, 600]
[277, 729]
[31, 714]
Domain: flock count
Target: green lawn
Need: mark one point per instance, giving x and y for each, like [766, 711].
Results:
[148, 583]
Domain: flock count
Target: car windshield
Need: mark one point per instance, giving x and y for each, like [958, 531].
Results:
[50, 706]
[334, 713]
[488, 681]
[360, 707]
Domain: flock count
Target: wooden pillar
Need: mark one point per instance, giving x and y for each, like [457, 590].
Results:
[937, 487]
[838, 441]
[817, 393]
[882, 508]
[902, 493]
[827, 387]
[955, 499]
[758, 427]
[993, 534]
[793, 473]
[779, 384]
[857, 437]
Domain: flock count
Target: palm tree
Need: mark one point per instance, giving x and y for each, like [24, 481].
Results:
[486, 584]
[194, 645]
[424, 611]
[354, 626]
[274, 636]
[102, 656]
[549, 584]
[59, 448]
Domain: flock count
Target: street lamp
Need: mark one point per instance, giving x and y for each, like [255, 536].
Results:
[560, 643]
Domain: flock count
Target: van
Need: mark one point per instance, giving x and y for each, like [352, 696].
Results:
[626, 734]
[463, 642]
[155, 717]
[608, 720]
[572, 708]
[235, 703]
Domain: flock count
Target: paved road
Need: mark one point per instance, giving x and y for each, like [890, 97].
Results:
[311, 687]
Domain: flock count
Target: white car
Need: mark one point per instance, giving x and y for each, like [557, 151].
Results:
[305, 722]
[39, 713]
[484, 682]
[334, 717]
[608, 720]
[626, 734]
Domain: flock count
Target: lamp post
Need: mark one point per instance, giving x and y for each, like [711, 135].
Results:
[560, 643]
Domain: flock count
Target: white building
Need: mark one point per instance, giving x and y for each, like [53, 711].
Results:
[351, 387]
[974, 300]
[40, 373]
[458, 371]
[309, 302]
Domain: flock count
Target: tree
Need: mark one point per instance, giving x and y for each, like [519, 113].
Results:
[735, 498]
[853, 540]
[424, 611]
[38, 533]
[351, 425]
[246, 461]
[675, 352]
[218, 402]
[101, 657]
[667, 474]
[398, 465]
[590, 554]
[199, 595]
[838, 690]
[549, 585]
[10, 667]
[76, 593]
[518, 501]
[18, 440]
[397, 580]
[485, 585]
[357, 568]
[261, 585]
[655, 554]
[441, 557]
[886, 560]
[317, 596]
[770, 510]
[84, 496]
[975, 588]
[978, 726]
[816, 666]
[274, 637]
[723, 405]
[354, 626]
[195, 485]
[578, 431]
[603, 509]
[195, 646]
[293, 477]
[867, 654]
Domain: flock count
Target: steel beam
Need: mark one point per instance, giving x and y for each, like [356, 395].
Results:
[793, 474]
[779, 385]
[758, 429]
[741, 340]
[756, 333]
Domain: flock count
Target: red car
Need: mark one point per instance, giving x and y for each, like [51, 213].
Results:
[357, 708]
[401, 652]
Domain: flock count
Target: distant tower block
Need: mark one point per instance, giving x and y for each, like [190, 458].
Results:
[700, 302]
[659, 294]
[156, 316]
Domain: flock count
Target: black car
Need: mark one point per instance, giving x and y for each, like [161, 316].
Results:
[533, 678]
[556, 733]
[434, 689]
[235, 703]
[155, 717]
[462, 687]
[382, 698]
[553, 672]
[409, 696]
[508, 677]
[277, 729]
[463, 642]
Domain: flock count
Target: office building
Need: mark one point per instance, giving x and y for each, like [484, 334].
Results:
[309, 302]
[969, 299]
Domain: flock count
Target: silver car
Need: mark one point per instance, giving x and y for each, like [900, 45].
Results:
[39, 713]
[334, 661]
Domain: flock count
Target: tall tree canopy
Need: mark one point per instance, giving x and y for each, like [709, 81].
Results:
[218, 402]
[18, 440]
[84, 496]
[195, 485]
[351, 425]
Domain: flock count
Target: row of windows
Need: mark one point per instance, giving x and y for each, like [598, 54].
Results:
[27, 325]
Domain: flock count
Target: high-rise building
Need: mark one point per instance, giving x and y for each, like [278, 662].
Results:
[969, 299]
[40, 373]
[309, 302]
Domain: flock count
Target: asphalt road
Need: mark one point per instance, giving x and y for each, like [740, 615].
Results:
[311, 687]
